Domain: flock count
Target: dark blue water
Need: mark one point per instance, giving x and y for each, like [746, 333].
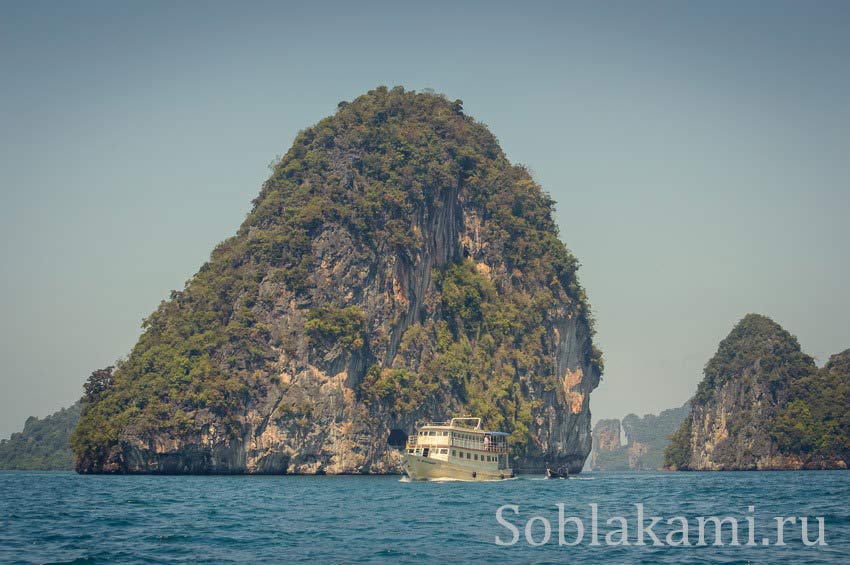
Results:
[63, 517]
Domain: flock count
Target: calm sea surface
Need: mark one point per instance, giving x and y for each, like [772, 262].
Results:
[63, 517]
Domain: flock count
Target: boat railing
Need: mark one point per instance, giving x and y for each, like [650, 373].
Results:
[460, 423]
[489, 446]
[435, 424]
[494, 446]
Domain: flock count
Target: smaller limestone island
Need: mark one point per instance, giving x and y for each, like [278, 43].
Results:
[765, 405]
[43, 444]
[640, 446]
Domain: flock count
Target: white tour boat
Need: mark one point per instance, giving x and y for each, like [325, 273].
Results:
[459, 449]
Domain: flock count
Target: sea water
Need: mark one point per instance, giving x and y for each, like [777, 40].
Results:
[68, 518]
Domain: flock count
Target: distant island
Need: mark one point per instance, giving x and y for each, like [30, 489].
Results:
[763, 405]
[43, 444]
[642, 448]
[395, 268]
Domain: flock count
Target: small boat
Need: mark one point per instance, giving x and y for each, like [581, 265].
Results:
[458, 450]
[561, 473]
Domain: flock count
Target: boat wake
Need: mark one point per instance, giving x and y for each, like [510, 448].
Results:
[407, 479]
[561, 479]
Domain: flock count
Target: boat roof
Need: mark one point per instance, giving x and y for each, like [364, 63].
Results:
[446, 426]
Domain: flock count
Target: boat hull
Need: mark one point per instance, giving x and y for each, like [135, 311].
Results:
[420, 468]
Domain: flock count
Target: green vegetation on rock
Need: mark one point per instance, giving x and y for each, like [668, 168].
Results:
[757, 345]
[344, 326]
[678, 452]
[43, 444]
[816, 423]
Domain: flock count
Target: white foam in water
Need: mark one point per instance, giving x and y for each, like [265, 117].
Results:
[407, 479]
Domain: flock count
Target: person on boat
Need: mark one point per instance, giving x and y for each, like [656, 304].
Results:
[563, 472]
[548, 473]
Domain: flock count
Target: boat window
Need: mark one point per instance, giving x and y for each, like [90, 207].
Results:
[468, 455]
[432, 433]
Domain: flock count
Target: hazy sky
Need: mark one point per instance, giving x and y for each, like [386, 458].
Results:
[699, 154]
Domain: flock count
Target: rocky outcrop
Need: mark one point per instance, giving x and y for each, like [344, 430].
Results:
[729, 430]
[607, 435]
[642, 447]
[751, 379]
[606, 454]
[395, 268]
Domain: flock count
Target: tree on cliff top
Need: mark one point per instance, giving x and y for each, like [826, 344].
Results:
[759, 346]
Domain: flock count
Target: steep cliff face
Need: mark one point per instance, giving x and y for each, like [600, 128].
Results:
[607, 435]
[747, 384]
[395, 268]
[608, 453]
